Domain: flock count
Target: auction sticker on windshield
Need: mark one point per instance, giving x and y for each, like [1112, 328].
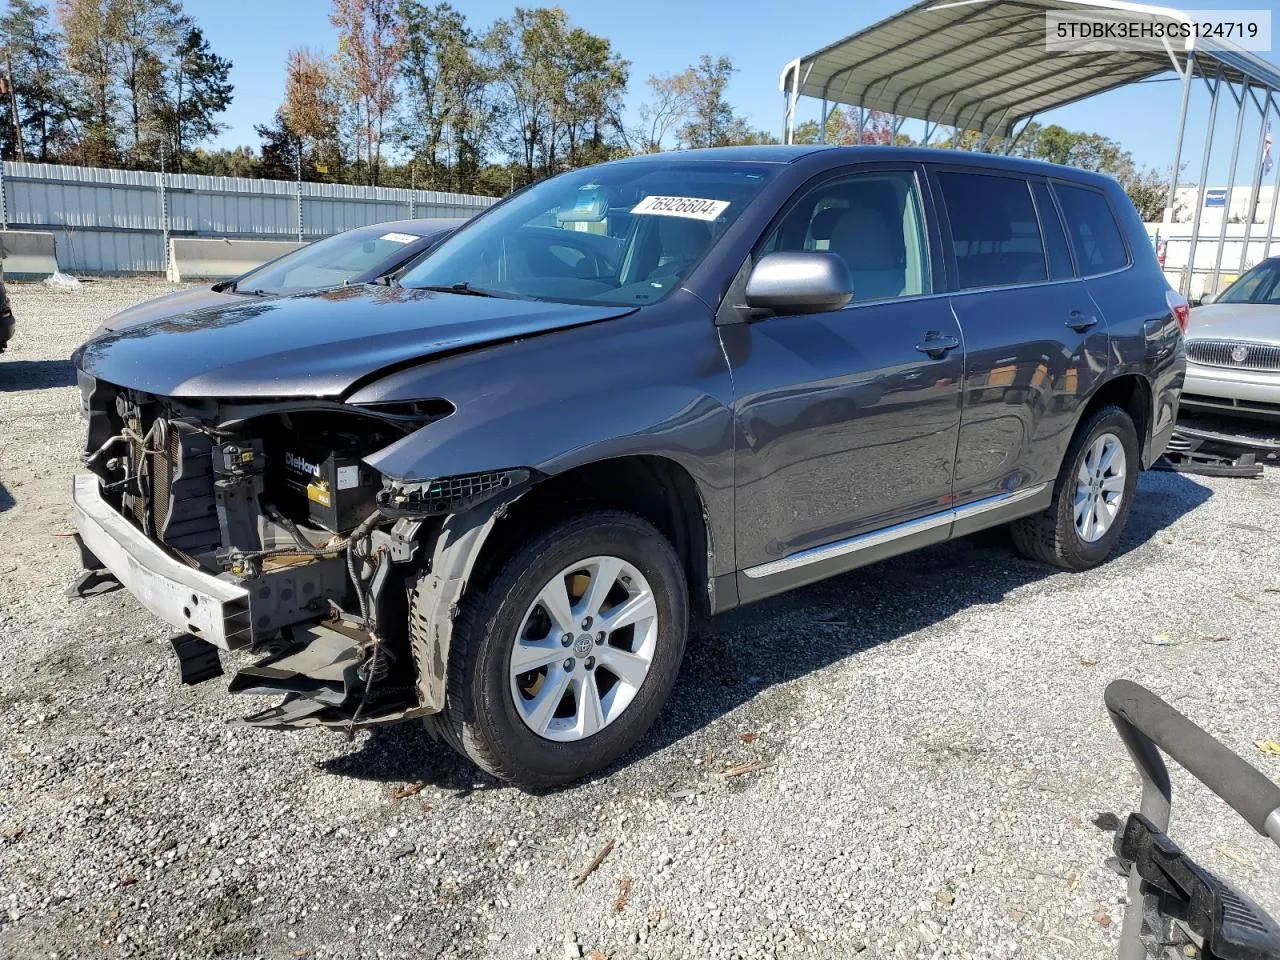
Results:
[398, 237]
[695, 208]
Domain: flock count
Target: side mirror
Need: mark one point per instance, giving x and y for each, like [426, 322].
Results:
[1206, 299]
[799, 281]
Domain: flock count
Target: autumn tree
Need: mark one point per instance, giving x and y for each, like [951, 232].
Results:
[90, 27]
[304, 131]
[370, 44]
[711, 120]
[848, 128]
[669, 105]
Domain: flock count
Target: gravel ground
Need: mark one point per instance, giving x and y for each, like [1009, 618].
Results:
[933, 745]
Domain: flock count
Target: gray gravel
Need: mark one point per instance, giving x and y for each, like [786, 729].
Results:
[931, 734]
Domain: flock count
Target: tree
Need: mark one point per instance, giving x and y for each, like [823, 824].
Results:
[669, 106]
[198, 88]
[1148, 190]
[142, 32]
[711, 120]
[33, 63]
[445, 84]
[560, 89]
[90, 27]
[304, 131]
[843, 128]
[370, 43]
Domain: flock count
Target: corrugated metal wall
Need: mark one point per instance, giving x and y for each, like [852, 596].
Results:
[113, 221]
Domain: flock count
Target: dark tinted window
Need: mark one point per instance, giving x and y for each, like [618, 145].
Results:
[1095, 236]
[1055, 238]
[993, 229]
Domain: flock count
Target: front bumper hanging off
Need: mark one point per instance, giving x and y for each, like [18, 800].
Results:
[216, 610]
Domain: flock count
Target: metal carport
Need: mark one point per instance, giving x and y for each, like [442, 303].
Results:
[983, 65]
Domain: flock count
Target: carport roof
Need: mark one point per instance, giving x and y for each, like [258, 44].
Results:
[982, 64]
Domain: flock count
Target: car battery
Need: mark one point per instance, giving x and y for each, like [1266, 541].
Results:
[338, 489]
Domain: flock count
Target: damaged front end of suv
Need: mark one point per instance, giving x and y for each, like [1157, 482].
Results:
[258, 523]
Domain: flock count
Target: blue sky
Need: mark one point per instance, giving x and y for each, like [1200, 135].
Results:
[660, 36]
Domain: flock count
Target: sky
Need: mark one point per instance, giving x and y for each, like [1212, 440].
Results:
[663, 36]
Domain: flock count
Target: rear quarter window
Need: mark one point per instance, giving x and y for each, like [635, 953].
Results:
[1092, 227]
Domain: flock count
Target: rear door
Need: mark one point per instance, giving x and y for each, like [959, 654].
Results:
[1035, 341]
[846, 420]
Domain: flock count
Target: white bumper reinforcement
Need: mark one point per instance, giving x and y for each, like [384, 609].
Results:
[191, 600]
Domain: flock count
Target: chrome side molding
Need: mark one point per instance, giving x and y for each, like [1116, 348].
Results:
[875, 538]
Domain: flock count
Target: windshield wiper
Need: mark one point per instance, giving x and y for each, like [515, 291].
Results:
[467, 290]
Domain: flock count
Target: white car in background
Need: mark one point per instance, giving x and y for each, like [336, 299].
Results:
[1233, 347]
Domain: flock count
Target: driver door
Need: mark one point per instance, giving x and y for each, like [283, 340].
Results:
[847, 421]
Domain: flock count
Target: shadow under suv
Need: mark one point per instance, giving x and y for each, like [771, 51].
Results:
[493, 496]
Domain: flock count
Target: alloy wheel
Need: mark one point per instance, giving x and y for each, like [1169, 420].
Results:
[1099, 487]
[584, 648]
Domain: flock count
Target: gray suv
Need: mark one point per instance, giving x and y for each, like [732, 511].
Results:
[493, 495]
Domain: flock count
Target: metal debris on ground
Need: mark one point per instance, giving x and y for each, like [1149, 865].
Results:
[591, 867]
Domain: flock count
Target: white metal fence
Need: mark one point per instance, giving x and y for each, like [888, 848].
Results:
[119, 221]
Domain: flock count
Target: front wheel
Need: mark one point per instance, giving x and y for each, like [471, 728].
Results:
[562, 660]
[1091, 496]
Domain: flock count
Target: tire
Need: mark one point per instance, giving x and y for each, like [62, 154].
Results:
[489, 710]
[1054, 536]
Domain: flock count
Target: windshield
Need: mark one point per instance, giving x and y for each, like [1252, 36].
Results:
[620, 234]
[1259, 285]
[328, 263]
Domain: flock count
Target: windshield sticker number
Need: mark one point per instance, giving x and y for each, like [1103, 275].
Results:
[694, 208]
[398, 237]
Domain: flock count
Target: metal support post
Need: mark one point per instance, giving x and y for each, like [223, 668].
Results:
[1255, 184]
[1177, 144]
[1275, 196]
[162, 187]
[1185, 286]
[1231, 182]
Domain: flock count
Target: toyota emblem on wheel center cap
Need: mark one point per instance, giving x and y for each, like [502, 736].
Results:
[1240, 353]
[582, 646]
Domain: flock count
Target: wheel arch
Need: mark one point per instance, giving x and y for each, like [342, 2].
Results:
[654, 487]
[1132, 393]
[467, 548]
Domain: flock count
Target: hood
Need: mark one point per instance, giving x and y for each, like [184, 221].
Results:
[1255, 322]
[183, 301]
[316, 345]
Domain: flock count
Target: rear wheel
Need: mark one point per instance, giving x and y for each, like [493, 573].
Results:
[560, 662]
[1091, 496]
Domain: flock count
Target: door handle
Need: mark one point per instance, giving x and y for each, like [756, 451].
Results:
[936, 346]
[1080, 322]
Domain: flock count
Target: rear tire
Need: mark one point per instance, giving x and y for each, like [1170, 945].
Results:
[569, 715]
[1091, 496]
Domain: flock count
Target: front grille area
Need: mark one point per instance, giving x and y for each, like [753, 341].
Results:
[1218, 353]
[175, 503]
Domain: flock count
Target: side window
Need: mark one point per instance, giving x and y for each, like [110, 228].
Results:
[994, 231]
[873, 222]
[1055, 238]
[1095, 236]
